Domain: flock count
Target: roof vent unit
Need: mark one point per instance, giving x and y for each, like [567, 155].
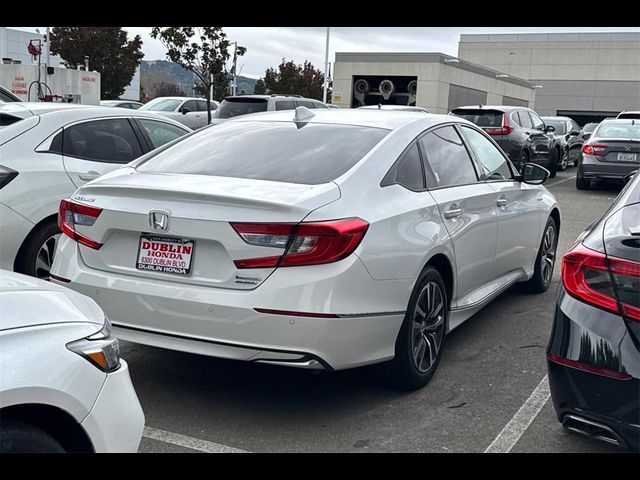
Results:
[360, 90]
[386, 88]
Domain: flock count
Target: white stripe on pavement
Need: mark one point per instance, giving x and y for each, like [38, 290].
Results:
[513, 430]
[188, 442]
[561, 181]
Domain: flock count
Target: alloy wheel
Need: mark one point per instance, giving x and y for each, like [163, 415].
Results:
[44, 259]
[427, 330]
[548, 256]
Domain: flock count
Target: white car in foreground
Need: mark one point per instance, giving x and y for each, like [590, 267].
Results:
[63, 386]
[47, 150]
[319, 239]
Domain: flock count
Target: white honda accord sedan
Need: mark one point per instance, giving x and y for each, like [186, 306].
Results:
[328, 239]
[63, 387]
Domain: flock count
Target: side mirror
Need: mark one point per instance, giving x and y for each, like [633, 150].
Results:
[549, 129]
[574, 133]
[184, 110]
[534, 174]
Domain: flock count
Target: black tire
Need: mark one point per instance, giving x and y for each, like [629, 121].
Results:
[542, 275]
[575, 163]
[553, 163]
[581, 183]
[524, 158]
[410, 370]
[17, 437]
[27, 261]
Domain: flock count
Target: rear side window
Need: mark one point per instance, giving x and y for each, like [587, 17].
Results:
[285, 105]
[304, 103]
[407, 171]
[276, 151]
[320, 105]
[202, 105]
[448, 160]
[109, 141]
[525, 120]
[232, 107]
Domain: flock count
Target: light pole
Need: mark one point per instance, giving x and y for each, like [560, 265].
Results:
[326, 68]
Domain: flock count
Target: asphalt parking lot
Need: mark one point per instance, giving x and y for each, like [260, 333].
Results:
[485, 396]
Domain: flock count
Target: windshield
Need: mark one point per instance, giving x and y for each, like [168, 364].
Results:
[560, 125]
[618, 130]
[276, 151]
[232, 107]
[162, 105]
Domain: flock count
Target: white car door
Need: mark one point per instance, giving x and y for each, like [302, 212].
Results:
[468, 209]
[518, 207]
[94, 147]
[193, 118]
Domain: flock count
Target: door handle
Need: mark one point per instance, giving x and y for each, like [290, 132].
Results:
[452, 212]
[89, 176]
[502, 202]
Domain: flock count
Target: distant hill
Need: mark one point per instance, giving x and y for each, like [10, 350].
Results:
[155, 72]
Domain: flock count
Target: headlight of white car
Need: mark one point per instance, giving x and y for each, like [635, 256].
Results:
[101, 349]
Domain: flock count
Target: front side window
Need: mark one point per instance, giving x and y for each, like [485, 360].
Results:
[494, 165]
[560, 126]
[538, 124]
[447, 158]
[160, 133]
[109, 141]
[189, 105]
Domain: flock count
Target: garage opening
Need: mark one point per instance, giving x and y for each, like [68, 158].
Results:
[383, 89]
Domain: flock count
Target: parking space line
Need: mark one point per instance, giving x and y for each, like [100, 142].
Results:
[561, 181]
[513, 430]
[188, 442]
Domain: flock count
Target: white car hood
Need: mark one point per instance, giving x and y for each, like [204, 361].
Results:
[28, 302]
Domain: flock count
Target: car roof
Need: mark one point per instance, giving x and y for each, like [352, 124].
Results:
[391, 120]
[506, 108]
[73, 112]
[180, 98]
[403, 108]
[273, 95]
[554, 117]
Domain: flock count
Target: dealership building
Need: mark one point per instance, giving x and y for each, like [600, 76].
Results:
[588, 76]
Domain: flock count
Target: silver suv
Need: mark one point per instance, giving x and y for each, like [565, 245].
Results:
[244, 104]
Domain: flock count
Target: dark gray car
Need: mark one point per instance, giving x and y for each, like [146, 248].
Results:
[519, 131]
[612, 152]
[568, 135]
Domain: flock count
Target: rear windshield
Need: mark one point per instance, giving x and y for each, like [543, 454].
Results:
[629, 115]
[618, 130]
[560, 125]
[482, 118]
[277, 151]
[232, 107]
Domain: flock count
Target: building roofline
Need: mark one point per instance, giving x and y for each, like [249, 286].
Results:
[427, 57]
[550, 37]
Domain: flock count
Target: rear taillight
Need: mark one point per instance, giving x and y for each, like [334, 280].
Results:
[608, 283]
[505, 129]
[304, 243]
[593, 149]
[6, 175]
[73, 214]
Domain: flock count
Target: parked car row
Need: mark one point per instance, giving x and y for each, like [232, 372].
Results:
[310, 238]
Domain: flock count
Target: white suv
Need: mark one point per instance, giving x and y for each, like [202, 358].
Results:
[244, 104]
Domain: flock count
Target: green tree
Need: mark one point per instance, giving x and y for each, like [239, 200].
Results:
[260, 88]
[109, 52]
[201, 50]
[305, 79]
[164, 89]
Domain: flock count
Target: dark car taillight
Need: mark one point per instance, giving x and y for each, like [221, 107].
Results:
[72, 214]
[6, 175]
[505, 129]
[306, 243]
[608, 283]
[592, 149]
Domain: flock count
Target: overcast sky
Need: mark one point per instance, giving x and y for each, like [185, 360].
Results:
[266, 46]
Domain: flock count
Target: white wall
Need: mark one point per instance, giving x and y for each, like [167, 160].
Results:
[64, 81]
[132, 92]
[13, 44]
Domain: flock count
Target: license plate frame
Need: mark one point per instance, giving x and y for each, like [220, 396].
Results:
[176, 261]
[627, 157]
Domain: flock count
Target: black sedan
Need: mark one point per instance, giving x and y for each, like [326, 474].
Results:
[569, 138]
[594, 349]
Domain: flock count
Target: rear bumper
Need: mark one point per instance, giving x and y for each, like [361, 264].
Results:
[14, 228]
[116, 421]
[224, 323]
[594, 169]
[595, 338]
